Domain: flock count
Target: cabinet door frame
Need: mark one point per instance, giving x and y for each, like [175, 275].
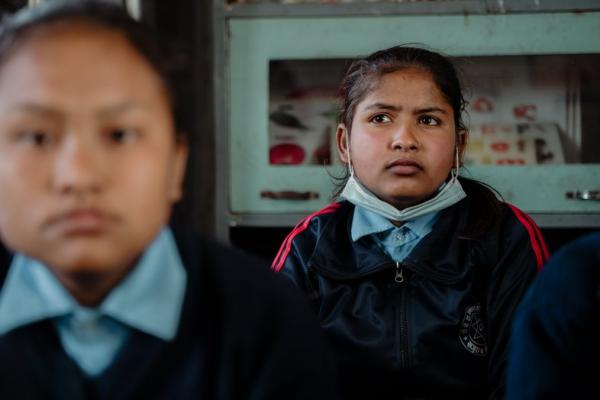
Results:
[249, 46]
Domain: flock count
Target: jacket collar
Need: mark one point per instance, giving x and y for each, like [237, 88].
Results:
[439, 256]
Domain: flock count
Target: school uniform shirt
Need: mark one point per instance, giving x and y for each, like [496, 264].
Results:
[241, 333]
[396, 241]
[148, 299]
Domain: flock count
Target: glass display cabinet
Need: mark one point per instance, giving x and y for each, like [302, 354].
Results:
[531, 70]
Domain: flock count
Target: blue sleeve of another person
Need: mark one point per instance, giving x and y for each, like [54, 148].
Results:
[555, 344]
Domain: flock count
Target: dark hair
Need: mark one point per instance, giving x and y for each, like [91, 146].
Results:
[15, 29]
[362, 77]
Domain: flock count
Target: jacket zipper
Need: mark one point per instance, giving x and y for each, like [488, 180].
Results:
[400, 323]
[401, 320]
[399, 277]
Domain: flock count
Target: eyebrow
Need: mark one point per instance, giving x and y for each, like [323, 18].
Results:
[55, 113]
[431, 110]
[39, 109]
[391, 107]
[121, 108]
[384, 106]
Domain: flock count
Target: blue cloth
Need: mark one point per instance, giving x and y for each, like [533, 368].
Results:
[555, 345]
[396, 241]
[149, 299]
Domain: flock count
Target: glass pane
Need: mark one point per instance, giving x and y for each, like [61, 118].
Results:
[303, 107]
[531, 109]
[522, 110]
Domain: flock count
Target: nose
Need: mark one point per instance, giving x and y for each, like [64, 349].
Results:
[76, 168]
[404, 138]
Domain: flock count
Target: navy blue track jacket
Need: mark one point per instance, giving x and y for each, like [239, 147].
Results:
[440, 330]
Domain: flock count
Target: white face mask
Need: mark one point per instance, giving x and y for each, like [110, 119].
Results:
[359, 195]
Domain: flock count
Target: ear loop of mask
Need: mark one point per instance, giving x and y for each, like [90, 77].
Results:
[456, 169]
[349, 157]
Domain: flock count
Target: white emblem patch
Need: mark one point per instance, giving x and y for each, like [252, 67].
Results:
[473, 331]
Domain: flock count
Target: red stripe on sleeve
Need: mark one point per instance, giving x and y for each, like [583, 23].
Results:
[532, 230]
[540, 237]
[286, 246]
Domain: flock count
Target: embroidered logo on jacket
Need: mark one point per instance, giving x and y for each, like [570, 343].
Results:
[472, 331]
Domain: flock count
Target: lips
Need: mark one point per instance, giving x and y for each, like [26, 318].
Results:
[82, 222]
[404, 166]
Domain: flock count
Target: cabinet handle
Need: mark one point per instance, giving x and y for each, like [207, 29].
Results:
[593, 195]
[288, 195]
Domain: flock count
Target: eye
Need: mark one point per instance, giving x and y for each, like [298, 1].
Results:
[36, 138]
[429, 120]
[123, 135]
[380, 119]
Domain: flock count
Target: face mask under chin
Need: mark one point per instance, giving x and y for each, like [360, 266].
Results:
[449, 193]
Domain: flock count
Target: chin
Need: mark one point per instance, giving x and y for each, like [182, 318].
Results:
[88, 262]
[76, 266]
[405, 200]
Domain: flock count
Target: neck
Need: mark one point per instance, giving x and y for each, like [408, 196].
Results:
[90, 289]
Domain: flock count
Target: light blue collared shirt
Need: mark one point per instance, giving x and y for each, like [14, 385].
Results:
[396, 241]
[149, 299]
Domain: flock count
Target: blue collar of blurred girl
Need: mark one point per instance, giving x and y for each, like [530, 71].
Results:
[149, 299]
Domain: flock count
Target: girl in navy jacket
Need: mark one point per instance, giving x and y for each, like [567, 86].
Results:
[415, 273]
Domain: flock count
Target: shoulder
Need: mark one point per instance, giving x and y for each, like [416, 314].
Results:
[575, 268]
[504, 220]
[579, 259]
[503, 229]
[307, 232]
[211, 258]
[250, 320]
[317, 221]
[230, 278]
[519, 228]
[585, 251]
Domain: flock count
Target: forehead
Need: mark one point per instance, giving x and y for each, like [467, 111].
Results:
[410, 84]
[76, 59]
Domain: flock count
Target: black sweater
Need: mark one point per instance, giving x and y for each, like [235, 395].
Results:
[243, 334]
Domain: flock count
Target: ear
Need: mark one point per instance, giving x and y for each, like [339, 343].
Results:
[343, 146]
[180, 158]
[461, 143]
